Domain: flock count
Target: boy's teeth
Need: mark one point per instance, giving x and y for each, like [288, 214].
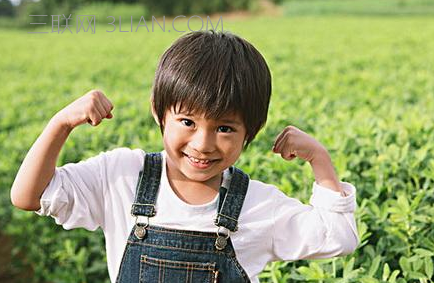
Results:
[198, 160]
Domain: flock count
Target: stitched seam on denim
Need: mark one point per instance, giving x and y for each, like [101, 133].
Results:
[151, 189]
[241, 271]
[141, 269]
[148, 188]
[189, 274]
[181, 233]
[160, 279]
[140, 179]
[241, 179]
[122, 263]
[224, 200]
[174, 263]
[221, 214]
[182, 249]
[188, 267]
[162, 272]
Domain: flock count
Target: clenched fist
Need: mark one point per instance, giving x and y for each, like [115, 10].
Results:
[90, 108]
[293, 142]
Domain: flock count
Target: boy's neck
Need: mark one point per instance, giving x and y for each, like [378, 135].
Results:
[191, 192]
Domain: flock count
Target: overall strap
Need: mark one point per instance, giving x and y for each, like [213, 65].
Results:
[147, 187]
[231, 200]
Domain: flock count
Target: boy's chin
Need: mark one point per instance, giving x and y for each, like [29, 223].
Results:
[200, 175]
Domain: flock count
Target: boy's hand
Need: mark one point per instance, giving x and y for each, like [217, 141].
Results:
[293, 142]
[90, 108]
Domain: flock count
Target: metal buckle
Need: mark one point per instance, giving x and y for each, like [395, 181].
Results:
[140, 230]
[221, 241]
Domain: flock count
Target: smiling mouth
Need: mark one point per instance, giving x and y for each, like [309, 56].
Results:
[197, 160]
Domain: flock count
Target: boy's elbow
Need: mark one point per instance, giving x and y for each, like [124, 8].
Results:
[24, 204]
[27, 206]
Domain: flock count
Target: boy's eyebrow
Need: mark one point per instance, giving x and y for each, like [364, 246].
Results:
[228, 121]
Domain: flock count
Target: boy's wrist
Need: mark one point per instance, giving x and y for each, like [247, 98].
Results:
[320, 155]
[57, 121]
[324, 172]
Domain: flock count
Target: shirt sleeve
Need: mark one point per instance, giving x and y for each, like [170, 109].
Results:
[75, 195]
[323, 229]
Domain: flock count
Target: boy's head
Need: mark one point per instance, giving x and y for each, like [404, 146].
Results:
[214, 75]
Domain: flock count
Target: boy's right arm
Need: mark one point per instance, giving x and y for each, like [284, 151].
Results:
[39, 165]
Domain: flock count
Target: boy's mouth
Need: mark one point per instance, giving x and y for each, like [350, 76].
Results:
[198, 160]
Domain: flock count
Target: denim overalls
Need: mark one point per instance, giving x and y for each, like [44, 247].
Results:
[158, 254]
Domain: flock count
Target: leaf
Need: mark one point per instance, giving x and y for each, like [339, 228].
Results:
[420, 153]
[417, 264]
[423, 252]
[374, 266]
[413, 259]
[348, 267]
[306, 272]
[368, 280]
[318, 270]
[386, 272]
[416, 201]
[403, 203]
[405, 265]
[353, 274]
[428, 267]
[416, 275]
[392, 278]
[370, 251]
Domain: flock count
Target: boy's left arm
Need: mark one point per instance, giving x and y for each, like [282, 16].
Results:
[292, 142]
[326, 227]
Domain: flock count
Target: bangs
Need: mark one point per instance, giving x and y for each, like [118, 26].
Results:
[212, 100]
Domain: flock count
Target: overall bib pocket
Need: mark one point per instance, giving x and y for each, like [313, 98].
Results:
[171, 271]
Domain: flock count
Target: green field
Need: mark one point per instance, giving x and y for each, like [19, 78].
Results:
[361, 85]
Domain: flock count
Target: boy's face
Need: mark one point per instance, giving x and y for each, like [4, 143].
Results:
[198, 150]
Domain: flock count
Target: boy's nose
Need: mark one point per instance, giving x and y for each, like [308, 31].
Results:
[203, 142]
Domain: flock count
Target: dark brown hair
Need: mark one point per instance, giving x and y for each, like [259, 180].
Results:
[213, 74]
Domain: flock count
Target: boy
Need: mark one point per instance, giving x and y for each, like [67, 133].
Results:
[186, 214]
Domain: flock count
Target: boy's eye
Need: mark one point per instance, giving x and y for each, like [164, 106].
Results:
[225, 129]
[186, 122]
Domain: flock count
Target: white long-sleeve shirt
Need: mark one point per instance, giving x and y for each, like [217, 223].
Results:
[99, 192]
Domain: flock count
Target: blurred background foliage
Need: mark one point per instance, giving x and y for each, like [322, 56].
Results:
[146, 8]
[357, 75]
